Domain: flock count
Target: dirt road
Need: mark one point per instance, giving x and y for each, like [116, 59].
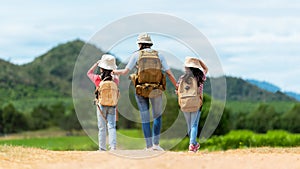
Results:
[258, 158]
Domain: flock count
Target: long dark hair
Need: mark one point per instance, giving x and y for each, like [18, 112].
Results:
[145, 45]
[194, 72]
[106, 74]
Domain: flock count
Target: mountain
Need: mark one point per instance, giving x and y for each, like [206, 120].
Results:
[50, 75]
[264, 85]
[294, 95]
[272, 88]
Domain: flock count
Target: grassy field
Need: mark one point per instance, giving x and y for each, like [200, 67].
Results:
[247, 106]
[233, 140]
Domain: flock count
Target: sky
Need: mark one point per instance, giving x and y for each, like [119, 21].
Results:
[254, 39]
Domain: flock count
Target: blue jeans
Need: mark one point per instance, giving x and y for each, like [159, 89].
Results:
[143, 104]
[110, 114]
[192, 121]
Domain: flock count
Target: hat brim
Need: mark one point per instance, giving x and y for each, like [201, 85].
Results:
[192, 65]
[148, 42]
[107, 67]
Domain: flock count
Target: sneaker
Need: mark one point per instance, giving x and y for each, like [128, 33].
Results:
[191, 148]
[197, 146]
[102, 150]
[112, 149]
[157, 148]
[194, 148]
[149, 149]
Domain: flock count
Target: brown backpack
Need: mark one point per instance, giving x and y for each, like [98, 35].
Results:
[149, 80]
[149, 67]
[108, 93]
[189, 97]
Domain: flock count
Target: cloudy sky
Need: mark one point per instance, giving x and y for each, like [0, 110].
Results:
[254, 39]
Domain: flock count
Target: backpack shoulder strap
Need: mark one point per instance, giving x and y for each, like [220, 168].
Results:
[104, 79]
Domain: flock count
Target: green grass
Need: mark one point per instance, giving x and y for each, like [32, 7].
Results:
[246, 139]
[133, 139]
[55, 143]
[131, 133]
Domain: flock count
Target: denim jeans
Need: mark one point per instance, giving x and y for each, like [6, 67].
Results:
[143, 104]
[110, 115]
[192, 121]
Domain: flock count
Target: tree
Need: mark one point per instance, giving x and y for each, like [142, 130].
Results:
[170, 113]
[41, 117]
[70, 122]
[240, 120]
[262, 119]
[1, 122]
[57, 112]
[214, 112]
[12, 120]
[291, 120]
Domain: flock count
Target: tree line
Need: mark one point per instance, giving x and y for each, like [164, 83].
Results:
[266, 118]
[41, 117]
[260, 120]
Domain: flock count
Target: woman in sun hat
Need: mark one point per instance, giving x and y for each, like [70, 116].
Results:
[195, 73]
[152, 136]
[105, 114]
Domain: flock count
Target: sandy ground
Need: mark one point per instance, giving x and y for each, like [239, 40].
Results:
[258, 158]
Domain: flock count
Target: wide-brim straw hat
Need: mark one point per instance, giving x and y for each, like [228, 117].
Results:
[192, 62]
[108, 62]
[144, 38]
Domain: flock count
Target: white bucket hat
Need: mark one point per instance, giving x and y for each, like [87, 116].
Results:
[144, 38]
[108, 62]
[192, 62]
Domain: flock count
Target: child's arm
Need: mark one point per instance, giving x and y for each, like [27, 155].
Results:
[90, 72]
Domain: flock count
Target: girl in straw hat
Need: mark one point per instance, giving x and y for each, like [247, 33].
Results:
[195, 73]
[105, 114]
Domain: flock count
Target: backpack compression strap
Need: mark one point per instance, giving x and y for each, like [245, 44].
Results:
[101, 113]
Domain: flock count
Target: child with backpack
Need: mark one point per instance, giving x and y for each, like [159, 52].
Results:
[190, 96]
[107, 95]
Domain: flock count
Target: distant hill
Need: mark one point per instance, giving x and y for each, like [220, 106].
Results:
[50, 75]
[272, 88]
[294, 95]
[264, 85]
[241, 90]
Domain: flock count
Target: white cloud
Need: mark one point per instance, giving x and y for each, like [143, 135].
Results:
[253, 38]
